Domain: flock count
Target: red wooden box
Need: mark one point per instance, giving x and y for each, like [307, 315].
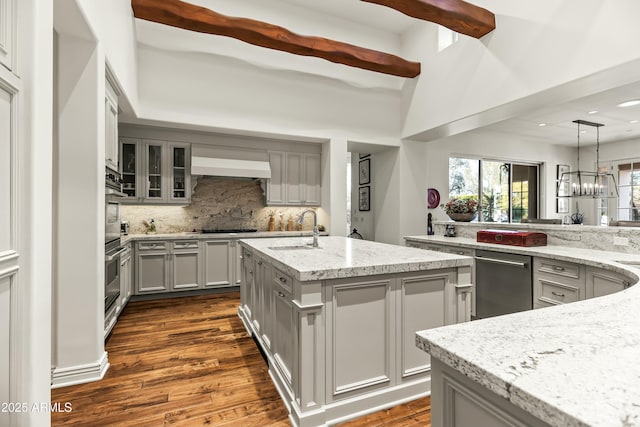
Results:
[512, 237]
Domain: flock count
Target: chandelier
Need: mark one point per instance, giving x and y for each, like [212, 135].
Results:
[588, 184]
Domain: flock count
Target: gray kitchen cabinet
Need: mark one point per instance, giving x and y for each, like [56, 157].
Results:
[111, 126]
[295, 179]
[219, 257]
[185, 265]
[283, 321]
[263, 278]
[246, 288]
[557, 282]
[155, 172]
[604, 282]
[458, 250]
[152, 267]
[164, 266]
[125, 275]
[237, 254]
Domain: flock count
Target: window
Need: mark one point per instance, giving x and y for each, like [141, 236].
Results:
[507, 191]
[629, 190]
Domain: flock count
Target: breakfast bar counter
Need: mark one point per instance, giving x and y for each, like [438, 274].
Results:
[337, 323]
[569, 365]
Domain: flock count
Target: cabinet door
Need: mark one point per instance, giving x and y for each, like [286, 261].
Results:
[266, 299]
[130, 165]
[111, 127]
[125, 279]
[294, 179]
[180, 177]
[603, 282]
[186, 270]
[282, 342]
[155, 173]
[217, 264]
[312, 179]
[152, 272]
[7, 34]
[276, 184]
[246, 289]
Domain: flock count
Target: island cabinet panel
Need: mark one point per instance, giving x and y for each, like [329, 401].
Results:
[604, 282]
[359, 319]
[457, 401]
[218, 263]
[246, 288]
[416, 293]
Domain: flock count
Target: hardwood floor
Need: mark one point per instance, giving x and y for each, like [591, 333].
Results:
[190, 362]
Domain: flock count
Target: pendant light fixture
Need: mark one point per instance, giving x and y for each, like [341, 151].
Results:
[588, 184]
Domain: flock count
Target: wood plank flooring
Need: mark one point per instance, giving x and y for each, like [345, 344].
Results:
[189, 362]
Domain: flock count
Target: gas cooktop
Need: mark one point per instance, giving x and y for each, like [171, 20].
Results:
[228, 230]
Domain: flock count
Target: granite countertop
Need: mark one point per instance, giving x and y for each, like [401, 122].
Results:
[211, 236]
[340, 257]
[569, 365]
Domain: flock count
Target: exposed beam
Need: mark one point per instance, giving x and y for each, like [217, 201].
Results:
[457, 15]
[195, 18]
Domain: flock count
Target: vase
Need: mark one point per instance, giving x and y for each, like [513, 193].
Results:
[463, 217]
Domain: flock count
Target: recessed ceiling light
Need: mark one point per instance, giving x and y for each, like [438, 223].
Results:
[542, 124]
[593, 111]
[633, 122]
[629, 103]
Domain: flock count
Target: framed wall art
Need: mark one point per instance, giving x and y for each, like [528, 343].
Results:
[364, 171]
[364, 199]
[563, 170]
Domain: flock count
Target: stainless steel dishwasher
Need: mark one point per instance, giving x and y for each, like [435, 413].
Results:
[503, 283]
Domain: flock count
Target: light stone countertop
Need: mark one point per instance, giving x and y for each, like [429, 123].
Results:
[341, 257]
[576, 364]
[212, 236]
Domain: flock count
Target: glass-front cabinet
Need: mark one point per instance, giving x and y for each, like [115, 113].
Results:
[155, 172]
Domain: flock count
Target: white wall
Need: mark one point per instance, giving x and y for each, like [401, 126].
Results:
[78, 313]
[523, 64]
[492, 145]
[227, 95]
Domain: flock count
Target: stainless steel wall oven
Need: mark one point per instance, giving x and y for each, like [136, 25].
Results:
[113, 249]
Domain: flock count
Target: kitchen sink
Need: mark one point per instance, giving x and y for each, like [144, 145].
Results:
[290, 248]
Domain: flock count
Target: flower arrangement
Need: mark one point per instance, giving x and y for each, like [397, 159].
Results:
[467, 205]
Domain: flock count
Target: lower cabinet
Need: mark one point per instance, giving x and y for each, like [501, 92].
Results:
[283, 322]
[219, 260]
[604, 282]
[126, 272]
[165, 266]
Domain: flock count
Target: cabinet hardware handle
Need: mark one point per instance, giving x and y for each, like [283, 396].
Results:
[556, 268]
[557, 294]
[259, 262]
[460, 253]
[280, 294]
[283, 280]
[247, 255]
[250, 271]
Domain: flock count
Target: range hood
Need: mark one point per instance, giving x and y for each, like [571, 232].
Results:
[229, 167]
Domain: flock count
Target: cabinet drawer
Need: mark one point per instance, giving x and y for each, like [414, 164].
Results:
[556, 293]
[186, 244]
[153, 245]
[282, 279]
[560, 269]
[459, 251]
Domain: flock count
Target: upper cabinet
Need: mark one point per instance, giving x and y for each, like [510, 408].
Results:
[7, 32]
[295, 179]
[110, 126]
[155, 172]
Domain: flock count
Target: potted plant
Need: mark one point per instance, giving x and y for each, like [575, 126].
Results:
[461, 209]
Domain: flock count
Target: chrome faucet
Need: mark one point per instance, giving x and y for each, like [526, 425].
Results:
[315, 225]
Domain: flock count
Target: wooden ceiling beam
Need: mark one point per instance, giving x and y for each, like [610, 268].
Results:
[196, 18]
[457, 15]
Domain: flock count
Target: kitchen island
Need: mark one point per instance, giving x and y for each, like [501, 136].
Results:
[568, 365]
[337, 323]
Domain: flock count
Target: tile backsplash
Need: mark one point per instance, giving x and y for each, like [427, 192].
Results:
[216, 202]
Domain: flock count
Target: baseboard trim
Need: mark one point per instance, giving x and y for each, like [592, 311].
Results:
[80, 374]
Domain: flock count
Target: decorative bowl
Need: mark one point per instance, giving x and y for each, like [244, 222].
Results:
[462, 217]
